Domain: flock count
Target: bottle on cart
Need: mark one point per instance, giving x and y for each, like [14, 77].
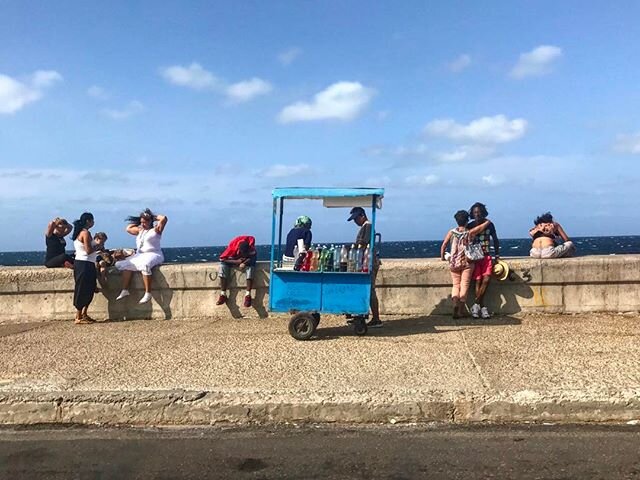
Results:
[300, 261]
[351, 262]
[314, 261]
[306, 266]
[322, 253]
[336, 259]
[344, 258]
[359, 257]
[328, 259]
[365, 259]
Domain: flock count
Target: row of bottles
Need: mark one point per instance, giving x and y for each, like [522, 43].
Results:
[334, 259]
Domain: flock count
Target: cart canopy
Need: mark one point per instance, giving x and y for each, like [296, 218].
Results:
[333, 197]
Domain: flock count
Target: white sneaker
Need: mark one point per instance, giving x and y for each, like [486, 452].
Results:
[475, 310]
[123, 293]
[484, 313]
[145, 298]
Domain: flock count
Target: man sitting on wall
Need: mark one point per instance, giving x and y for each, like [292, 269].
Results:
[241, 253]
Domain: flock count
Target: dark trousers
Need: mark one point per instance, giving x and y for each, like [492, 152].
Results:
[84, 273]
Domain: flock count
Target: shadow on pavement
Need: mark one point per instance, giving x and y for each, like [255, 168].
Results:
[425, 324]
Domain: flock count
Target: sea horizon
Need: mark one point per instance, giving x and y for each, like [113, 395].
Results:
[509, 247]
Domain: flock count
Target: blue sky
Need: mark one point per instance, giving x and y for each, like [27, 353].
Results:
[198, 109]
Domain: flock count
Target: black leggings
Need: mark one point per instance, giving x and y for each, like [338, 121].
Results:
[84, 274]
[58, 261]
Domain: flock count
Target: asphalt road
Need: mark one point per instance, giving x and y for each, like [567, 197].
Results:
[393, 452]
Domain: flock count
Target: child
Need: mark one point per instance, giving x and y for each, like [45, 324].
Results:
[105, 258]
[461, 268]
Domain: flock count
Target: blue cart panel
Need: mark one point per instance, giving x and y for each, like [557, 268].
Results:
[326, 292]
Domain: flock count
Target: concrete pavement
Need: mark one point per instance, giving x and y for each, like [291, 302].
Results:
[415, 369]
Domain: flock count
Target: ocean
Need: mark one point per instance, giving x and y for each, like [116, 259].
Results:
[517, 247]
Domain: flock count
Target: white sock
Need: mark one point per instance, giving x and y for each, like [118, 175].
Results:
[225, 293]
[247, 293]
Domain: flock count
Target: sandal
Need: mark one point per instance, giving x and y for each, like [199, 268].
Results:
[88, 319]
[83, 321]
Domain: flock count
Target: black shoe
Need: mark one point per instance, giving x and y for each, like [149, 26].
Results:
[375, 324]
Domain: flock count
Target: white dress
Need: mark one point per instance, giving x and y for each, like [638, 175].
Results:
[149, 253]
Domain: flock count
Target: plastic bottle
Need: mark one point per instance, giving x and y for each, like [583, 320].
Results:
[328, 259]
[336, 259]
[359, 257]
[365, 259]
[313, 264]
[344, 258]
[351, 259]
[306, 266]
[300, 261]
[322, 255]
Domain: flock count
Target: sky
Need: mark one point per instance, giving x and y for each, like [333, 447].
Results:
[198, 110]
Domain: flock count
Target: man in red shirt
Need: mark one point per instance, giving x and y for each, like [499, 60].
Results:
[241, 254]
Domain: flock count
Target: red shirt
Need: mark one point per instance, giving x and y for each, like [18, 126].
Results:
[232, 251]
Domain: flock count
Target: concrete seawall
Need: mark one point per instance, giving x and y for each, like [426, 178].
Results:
[408, 286]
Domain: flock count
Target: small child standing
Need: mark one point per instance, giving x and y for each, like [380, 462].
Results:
[460, 266]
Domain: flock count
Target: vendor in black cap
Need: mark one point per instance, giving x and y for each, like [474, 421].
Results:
[359, 216]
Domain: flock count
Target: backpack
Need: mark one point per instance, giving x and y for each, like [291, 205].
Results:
[459, 242]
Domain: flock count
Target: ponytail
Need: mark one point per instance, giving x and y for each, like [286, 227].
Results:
[78, 225]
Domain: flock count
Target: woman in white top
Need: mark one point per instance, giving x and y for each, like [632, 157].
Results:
[84, 267]
[148, 254]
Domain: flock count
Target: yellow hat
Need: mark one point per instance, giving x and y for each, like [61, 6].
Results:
[501, 270]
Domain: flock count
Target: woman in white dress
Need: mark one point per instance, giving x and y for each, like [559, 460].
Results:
[148, 254]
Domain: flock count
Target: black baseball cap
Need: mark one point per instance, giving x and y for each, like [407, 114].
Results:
[356, 212]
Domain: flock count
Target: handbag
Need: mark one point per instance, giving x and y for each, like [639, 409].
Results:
[474, 252]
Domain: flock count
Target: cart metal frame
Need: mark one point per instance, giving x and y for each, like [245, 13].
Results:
[308, 294]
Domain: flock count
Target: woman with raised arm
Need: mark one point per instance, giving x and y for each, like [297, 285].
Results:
[56, 257]
[546, 235]
[84, 267]
[147, 229]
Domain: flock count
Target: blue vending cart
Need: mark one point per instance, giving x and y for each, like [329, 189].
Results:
[307, 294]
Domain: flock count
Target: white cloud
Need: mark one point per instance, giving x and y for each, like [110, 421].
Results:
[288, 56]
[340, 101]
[422, 180]
[192, 76]
[465, 153]
[490, 130]
[282, 171]
[15, 94]
[537, 62]
[248, 89]
[97, 92]
[628, 143]
[493, 180]
[460, 63]
[132, 108]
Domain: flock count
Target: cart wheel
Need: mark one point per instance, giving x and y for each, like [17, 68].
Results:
[302, 326]
[360, 328]
[316, 318]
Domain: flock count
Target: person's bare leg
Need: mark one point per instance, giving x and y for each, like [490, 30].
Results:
[126, 279]
[146, 280]
[483, 284]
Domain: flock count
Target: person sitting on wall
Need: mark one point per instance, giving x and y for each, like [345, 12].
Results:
[148, 229]
[56, 257]
[545, 237]
[240, 253]
[298, 240]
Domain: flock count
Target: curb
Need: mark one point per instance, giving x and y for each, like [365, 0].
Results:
[193, 408]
